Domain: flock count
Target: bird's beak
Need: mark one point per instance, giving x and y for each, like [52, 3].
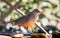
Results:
[41, 11]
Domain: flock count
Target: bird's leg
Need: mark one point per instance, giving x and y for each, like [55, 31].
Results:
[20, 29]
[28, 29]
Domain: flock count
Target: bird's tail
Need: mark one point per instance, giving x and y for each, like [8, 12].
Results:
[13, 22]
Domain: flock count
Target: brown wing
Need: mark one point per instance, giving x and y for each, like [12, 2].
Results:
[22, 20]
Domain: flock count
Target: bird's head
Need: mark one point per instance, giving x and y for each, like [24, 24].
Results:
[36, 11]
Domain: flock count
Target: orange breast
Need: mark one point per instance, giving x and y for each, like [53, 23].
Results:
[28, 24]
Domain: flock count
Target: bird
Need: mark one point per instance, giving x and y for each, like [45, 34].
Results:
[28, 20]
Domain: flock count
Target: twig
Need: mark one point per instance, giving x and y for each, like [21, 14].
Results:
[39, 26]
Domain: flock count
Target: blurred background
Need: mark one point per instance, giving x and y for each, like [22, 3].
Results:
[49, 19]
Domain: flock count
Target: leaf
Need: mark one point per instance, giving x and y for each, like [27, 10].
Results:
[12, 0]
[5, 9]
[22, 3]
[41, 16]
[45, 7]
[52, 4]
[56, 15]
[13, 15]
[36, 1]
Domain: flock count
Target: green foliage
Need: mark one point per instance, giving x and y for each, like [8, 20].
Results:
[5, 9]
[29, 1]
[12, 0]
[53, 28]
[41, 16]
[56, 15]
[45, 7]
[35, 29]
[36, 1]
[22, 4]
[52, 4]
[15, 16]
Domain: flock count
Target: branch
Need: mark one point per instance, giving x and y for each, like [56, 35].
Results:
[40, 27]
[1, 15]
[4, 16]
[13, 7]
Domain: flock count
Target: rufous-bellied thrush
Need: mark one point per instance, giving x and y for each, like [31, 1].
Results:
[28, 20]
